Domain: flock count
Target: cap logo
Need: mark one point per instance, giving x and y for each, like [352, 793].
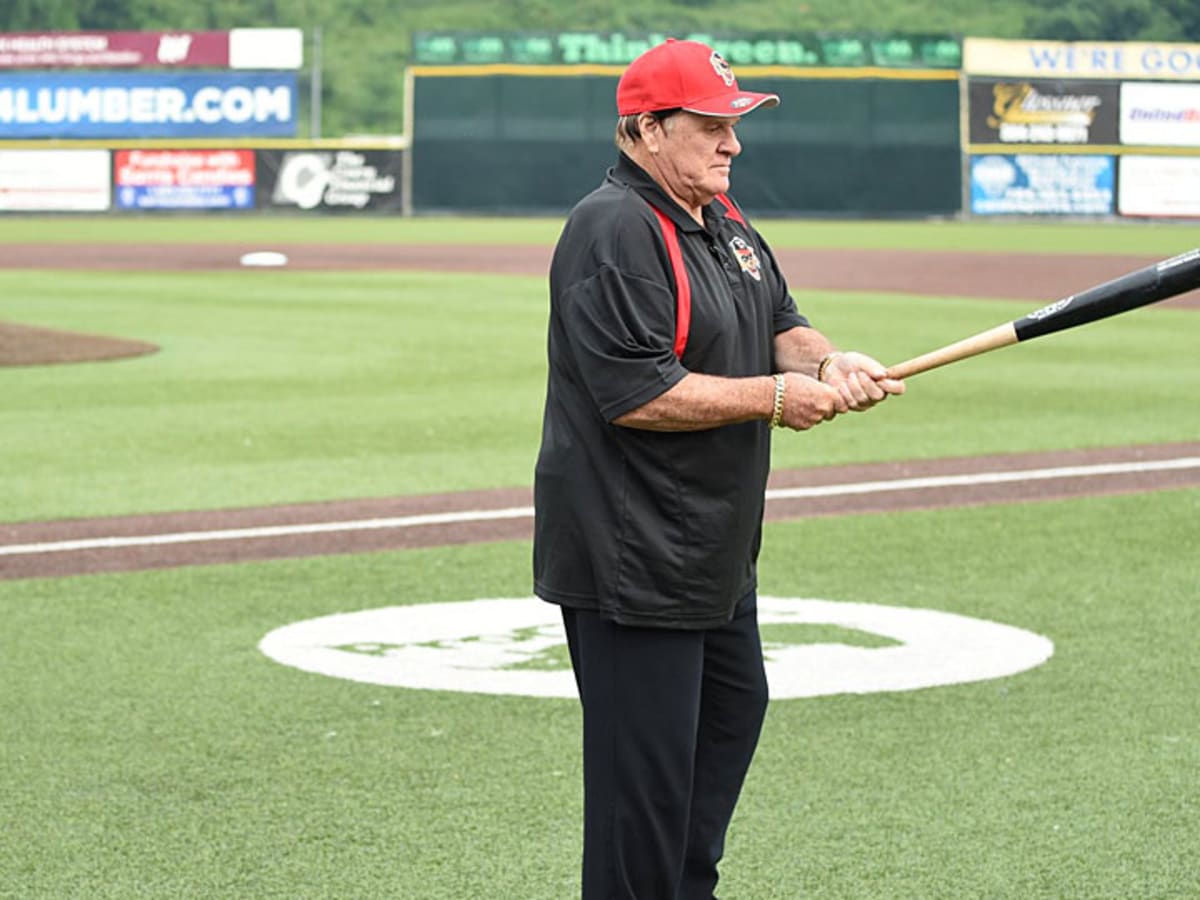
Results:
[722, 68]
[739, 102]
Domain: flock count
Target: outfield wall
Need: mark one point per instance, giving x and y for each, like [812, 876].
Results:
[523, 124]
[859, 141]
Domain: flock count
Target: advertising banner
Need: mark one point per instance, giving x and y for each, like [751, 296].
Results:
[1042, 184]
[1082, 59]
[147, 105]
[330, 180]
[581, 47]
[1159, 186]
[54, 180]
[1166, 115]
[113, 49]
[266, 48]
[241, 48]
[184, 179]
[1033, 111]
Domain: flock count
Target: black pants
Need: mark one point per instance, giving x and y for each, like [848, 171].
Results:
[670, 722]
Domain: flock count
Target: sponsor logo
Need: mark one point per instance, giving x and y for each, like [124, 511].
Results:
[994, 175]
[1046, 311]
[722, 68]
[1146, 114]
[173, 48]
[740, 102]
[1182, 259]
[341, 179]
[302, 180]
[1023, 114]
[746, 258]
[812, 648]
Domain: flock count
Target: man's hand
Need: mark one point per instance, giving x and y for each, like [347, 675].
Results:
[807, 402]
[861, 381]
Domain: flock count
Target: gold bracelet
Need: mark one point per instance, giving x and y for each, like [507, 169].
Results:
[824, 364]
[777, 412]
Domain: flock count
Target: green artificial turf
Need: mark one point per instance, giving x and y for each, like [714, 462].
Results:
[284, 387]
[281, 229]
[1070, 780]
[152, 751]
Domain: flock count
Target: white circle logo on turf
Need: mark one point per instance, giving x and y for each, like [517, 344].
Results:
[813, 648]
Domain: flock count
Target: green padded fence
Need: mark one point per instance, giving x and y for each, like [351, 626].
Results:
[535, 143]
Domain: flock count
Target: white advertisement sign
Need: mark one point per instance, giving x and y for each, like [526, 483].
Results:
[55, 180]
[1159, 186]
[1165, 115]
[266, 48]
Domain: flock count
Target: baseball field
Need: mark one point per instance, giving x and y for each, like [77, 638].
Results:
[265, 587]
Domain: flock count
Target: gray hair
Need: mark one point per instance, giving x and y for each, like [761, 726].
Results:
[629, 132]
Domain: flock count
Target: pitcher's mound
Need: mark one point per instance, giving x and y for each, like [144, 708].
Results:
[24, 345]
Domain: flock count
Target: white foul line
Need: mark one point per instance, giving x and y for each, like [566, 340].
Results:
[523, 512]
[238, 534]
[978, 478]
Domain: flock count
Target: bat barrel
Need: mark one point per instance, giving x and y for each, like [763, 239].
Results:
[1168, 278]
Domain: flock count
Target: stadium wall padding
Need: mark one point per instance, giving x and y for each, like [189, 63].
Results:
[835, 146]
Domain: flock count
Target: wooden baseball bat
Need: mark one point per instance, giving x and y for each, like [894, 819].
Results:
[1168, 278]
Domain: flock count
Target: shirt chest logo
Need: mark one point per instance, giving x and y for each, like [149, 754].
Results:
[746, 258]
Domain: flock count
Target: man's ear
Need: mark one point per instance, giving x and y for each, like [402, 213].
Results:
[651, 128]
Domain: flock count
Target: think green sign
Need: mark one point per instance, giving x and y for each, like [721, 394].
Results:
[615, 48]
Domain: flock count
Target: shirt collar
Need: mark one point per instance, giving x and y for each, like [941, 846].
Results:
[627, 172]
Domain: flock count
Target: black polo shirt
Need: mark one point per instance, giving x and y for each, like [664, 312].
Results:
[648, 527]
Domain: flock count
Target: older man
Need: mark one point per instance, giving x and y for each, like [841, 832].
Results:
[674, 348]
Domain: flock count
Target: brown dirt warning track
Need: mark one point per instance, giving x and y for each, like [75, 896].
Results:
[162, 540]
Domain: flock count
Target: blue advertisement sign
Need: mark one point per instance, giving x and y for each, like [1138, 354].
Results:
[163, 197]
[147, 105]
[1042, 184]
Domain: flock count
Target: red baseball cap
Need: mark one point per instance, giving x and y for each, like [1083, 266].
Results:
[685, 75]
